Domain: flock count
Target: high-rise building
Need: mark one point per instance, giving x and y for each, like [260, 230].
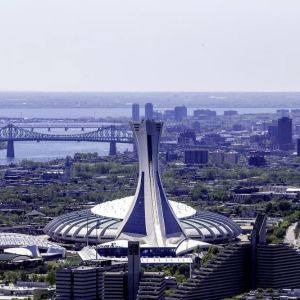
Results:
[219, 157]
[152, 286]
[148, 111]
[196, 157]
[285, 133]
[180, 113]
[134, 268]
[273, 133]
[298, 147]
[135, 113]
[81, 282]
[91, 282]
[114, 286]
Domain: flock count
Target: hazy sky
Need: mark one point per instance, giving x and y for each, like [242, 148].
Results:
[155, 45]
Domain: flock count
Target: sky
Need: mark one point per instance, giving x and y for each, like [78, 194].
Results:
[149, 45]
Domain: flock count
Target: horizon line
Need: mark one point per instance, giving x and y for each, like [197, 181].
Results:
[154, 92]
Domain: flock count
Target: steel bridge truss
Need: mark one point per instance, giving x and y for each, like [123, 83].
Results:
[110, 134]
[104, 134]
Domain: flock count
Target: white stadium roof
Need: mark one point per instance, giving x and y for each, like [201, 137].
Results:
[15, 240]
[119, 208]
[100, 224]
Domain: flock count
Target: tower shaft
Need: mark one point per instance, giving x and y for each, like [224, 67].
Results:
[150, 218]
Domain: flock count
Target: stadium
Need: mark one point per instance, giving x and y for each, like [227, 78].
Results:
[148, 217]
[100, 224]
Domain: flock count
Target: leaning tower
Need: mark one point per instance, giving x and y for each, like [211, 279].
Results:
[150, 218]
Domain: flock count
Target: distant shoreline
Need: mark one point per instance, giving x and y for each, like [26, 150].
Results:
[164, 100]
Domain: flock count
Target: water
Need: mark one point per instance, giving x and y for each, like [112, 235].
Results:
[46, 151]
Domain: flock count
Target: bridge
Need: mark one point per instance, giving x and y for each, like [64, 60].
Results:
[65, 126]
[109, 134]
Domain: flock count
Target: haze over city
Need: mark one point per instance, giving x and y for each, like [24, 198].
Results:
[133, 45]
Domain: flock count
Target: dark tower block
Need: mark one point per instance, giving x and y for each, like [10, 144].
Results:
[135, 112]
[148, 111]
[112, 148]
[285, 133]
[10, 149]
[134, 269]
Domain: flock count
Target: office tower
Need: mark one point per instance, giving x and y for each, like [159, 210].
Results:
[134, 268]
[114, 286]
[180, 113]
[77, 283]
[91, 282]
[273, 133]
[152, 286]
[285, 133]
[148, 111]
[135, 112]
[150, 218]
[196, 157]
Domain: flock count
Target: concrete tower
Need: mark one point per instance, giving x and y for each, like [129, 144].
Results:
[150, 218]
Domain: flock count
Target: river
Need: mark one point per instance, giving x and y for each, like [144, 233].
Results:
[45, 151]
